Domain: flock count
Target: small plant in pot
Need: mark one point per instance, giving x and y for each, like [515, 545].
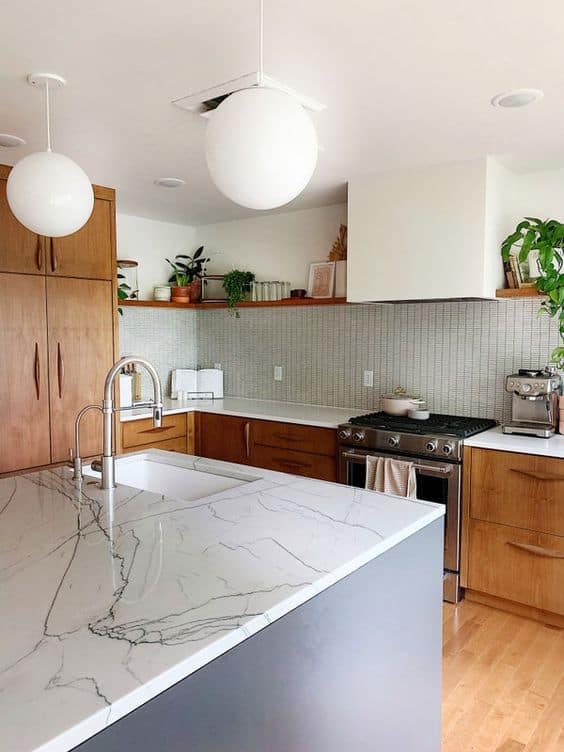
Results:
[237, 285]
[187, 276]
[546, 239]
[123, 290]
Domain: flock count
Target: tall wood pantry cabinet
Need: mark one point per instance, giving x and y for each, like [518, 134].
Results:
[58, 333]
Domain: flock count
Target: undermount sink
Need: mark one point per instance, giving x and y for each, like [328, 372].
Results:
[173, 475]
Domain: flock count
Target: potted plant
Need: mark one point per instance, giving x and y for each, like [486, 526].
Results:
[546, 238]
[187, 276]
[237, 285]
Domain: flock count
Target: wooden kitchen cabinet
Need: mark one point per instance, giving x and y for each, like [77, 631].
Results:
[224, 437]
[87, 253]
[273, 445]
[20, 249]
[141, 434]
[514, 536]
[80, 324]
[24, 390]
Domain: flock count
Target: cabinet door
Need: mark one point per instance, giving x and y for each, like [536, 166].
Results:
[87, 253]
[24, 397]
[224, 437]
[20, 249]
[80, 326]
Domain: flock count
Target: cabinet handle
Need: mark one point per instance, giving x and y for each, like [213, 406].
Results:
[536, 475]
[290, 463]
[549, 553]
[283, 437]
[60, 370]
[248, 438]
[39, 253]
[54, 263]
[37, 371]
[160, 429]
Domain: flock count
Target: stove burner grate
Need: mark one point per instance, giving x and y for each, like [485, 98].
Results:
[448, 425]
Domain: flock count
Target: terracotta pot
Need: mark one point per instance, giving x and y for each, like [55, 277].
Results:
[195, 288]
[180, 293]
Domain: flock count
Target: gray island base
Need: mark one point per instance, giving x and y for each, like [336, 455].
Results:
[354, 669]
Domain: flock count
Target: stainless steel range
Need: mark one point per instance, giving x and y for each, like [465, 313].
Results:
[435, 447]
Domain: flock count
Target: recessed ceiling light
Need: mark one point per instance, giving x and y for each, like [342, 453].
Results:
[9, 141]
[517, 98]
[169, 182]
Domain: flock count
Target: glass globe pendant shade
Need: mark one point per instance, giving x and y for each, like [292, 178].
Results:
[261, 148]
[50, 194]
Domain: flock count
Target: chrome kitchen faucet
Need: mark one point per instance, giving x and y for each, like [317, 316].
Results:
[107, 464]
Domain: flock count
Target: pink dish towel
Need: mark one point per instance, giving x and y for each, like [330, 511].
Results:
[391, 476]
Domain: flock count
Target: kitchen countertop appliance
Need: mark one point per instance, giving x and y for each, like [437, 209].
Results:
[435, 447]
[534, 402]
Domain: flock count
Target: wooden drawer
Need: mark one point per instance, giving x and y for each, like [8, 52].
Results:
[517, 565]
[291, 436]
[138, 433]
[297, 463]
[518, 489]
[170, 445]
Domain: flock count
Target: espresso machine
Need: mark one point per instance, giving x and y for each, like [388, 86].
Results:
[534, 405]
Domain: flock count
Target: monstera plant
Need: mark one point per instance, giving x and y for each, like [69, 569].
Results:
[546, 239]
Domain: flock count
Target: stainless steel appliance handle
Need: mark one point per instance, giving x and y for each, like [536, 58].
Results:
[445, 470]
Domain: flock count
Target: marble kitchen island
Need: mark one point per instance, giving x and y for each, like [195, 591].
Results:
[282, 614]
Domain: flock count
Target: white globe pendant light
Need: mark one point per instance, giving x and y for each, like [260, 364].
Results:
[48, 192]
[261, 146]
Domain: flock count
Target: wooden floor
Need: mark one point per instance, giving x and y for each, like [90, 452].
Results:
[503, 682]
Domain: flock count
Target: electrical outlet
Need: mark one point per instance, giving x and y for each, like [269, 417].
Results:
[368, 378]
[277, 373]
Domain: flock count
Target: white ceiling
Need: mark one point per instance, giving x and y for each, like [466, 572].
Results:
[405, 82]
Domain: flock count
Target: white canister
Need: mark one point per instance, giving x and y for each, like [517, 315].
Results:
[162, 292]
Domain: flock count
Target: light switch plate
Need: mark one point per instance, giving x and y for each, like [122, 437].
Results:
[217, 366]
[368, 378]
[277, 373]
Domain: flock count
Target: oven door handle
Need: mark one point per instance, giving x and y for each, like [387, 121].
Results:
[443, 469]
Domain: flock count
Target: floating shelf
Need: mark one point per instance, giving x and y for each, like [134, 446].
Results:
[286, 303]
[519, 292]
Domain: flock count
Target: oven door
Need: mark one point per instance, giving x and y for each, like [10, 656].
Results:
[436, 481]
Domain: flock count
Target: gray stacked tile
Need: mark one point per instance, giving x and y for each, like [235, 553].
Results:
[454, 354]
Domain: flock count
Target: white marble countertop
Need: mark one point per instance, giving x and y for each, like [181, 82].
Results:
[495, 439]
[109, 598]
[285, 412]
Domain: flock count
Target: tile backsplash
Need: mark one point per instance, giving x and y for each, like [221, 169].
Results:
[454, 354]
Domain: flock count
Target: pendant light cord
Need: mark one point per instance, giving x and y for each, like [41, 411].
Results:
[48, 115]
[261, 44]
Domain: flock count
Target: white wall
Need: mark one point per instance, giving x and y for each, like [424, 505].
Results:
[149, 242]
[275, 246]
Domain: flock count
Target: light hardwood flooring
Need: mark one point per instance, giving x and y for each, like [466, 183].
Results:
[503, 682]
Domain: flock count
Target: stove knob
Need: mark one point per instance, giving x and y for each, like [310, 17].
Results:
[394, 441]
[344, 433]
[431, 446]
[448, 449]
[358, 436]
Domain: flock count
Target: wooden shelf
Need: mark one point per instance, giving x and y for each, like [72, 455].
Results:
[519, 292]
[286, 303]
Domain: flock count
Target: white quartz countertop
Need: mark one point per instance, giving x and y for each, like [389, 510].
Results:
[285, 412]
[109, 598]
[495, 439]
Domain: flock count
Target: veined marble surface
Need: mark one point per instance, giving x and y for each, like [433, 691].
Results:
[494, 438]
[285, 412]
[109, 598]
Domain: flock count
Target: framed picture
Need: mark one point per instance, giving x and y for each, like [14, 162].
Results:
[212, 289]
[321, 282]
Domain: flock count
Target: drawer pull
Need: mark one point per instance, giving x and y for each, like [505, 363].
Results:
[54, 263]
[292, 463]
[538, 475]
[284, 437]
[60, 370]
[248, 438]
[37, 371]
[160, 429]
[549, 553]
